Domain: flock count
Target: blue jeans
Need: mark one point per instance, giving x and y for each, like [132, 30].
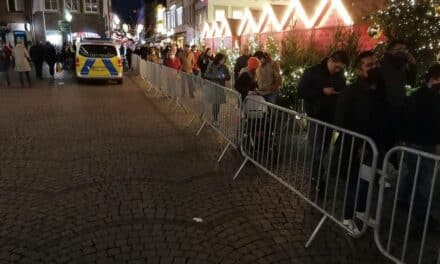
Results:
[271, 98]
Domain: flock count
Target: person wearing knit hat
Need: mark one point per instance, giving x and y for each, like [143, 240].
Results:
[247, 80]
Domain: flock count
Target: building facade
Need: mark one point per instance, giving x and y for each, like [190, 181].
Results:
[15, 21]
[89, 18]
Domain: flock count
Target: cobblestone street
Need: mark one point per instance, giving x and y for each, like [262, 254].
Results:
[106, 173]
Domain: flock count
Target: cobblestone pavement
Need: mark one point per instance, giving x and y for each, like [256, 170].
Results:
[102, 173]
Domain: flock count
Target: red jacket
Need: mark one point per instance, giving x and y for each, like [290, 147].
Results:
[175, 64]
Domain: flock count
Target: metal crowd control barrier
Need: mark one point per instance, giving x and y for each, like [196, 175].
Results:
[222, 111]
[404, 214]
[329, 167]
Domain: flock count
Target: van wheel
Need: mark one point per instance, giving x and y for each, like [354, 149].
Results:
[120, 81]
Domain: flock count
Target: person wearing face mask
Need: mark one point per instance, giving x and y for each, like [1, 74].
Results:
[421, 127]
[397, 70]
[361, 109]
[320, 86]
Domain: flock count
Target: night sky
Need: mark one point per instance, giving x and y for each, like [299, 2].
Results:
[124, 8]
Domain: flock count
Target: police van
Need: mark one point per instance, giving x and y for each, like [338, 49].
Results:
[98, 59]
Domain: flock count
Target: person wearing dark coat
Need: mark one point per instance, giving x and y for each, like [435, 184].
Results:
[241, 61]
[319, 87]
[361, 108]
[247, 79]
[204, 60]
[217, 72]
[398, 69]
[50, 56]
[421, 131]
[37, 56]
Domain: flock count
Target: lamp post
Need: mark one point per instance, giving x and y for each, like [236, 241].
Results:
[68, 16]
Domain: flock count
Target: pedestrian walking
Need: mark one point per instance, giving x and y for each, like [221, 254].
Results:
[50, 56]
[21, 61]
[269, 78]
[204, 60]
[218, 73]
[37, 55]
[5, 62]
[242, 61]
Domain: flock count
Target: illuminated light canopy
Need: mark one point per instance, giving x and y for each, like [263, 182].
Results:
[278, 17]
[223, 28]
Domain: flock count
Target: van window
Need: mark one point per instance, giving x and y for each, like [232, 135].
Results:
[98, 51]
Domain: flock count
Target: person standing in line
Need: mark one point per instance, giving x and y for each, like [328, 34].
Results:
[218, 73]
[37, 55]
[269, 78]
[5, 62]
[153, 57]
[421, 131]
[172, 61]
[242, 61]
[204, 60]
[247, 80]
[320, 86]
[21, 61]
[187, 67]
[196, 52]
[50, 56]
[361, 108]
[398, 69]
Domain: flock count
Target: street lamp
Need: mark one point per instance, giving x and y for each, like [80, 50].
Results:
[68, 16]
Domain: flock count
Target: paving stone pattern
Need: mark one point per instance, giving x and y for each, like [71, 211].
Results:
[103, 173]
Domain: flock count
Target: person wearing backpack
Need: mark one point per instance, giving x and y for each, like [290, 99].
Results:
[269, 77]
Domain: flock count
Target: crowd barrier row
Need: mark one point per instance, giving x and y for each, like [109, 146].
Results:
[334, 170]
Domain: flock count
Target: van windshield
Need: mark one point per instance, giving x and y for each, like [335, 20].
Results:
[98, 51]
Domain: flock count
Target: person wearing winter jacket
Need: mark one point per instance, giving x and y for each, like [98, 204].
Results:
[21, 59]
[204, 60]
[420, 127]
[247, 78]
[218, 73]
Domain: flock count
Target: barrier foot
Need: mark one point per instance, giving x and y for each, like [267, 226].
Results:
[190, 122]
[315, 232]
[223, 153]
[239, 170]
[201, 128]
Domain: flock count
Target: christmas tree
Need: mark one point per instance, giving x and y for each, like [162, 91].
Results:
[416, 24]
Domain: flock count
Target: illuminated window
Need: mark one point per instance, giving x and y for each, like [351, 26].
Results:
[91, 6]
[51, 5]
[72, 5]
[15, 5]
[179, 14]
[219, 14]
